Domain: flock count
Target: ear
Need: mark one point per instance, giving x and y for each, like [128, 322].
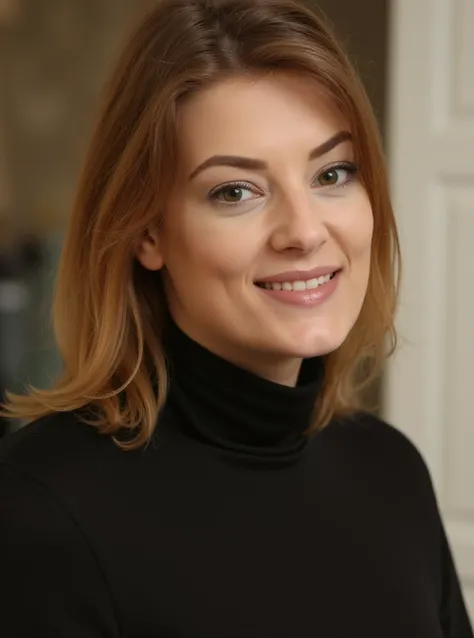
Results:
[148, 251]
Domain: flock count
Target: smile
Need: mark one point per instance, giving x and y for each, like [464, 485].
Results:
[305, 293]
[299, 285]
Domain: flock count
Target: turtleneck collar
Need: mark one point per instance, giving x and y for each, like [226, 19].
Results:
[235, 409]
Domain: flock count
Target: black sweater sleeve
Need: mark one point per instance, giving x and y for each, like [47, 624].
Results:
[51, 584]
[454, 618]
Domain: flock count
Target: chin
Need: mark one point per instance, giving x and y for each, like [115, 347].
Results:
[321, 349]
[319, 343]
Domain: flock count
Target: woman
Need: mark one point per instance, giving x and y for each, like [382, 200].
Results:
[202, 468]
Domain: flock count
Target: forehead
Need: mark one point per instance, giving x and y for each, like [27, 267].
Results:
[256, 116]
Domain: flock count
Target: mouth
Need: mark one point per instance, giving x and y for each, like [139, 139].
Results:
[299, 285]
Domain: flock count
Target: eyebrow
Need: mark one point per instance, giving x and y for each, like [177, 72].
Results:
[249, 163]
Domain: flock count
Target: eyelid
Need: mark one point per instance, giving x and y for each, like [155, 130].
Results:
[345, 164]
[233, 184]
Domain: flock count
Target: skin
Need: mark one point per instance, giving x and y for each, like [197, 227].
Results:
[292, 215]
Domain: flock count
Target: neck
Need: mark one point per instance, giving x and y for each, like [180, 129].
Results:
[237, 408]
[272, 367]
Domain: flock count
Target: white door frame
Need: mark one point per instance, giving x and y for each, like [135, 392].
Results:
[429, 384]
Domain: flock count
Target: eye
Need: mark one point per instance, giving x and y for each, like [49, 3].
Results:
[338, 175]
[232, 194]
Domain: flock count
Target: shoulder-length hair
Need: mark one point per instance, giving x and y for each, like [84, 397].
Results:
[108, 310]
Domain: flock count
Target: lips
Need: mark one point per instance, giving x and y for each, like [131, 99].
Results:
[302, 293]
[298, 285]
[314, 276]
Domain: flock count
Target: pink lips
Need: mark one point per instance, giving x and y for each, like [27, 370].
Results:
[300, 275]
[303, 298]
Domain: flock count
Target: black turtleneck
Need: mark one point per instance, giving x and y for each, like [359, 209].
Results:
[232, 523]
[236, 410]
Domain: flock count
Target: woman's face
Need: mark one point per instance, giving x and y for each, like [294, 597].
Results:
[267, 206]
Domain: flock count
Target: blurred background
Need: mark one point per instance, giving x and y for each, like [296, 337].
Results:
[416, 60]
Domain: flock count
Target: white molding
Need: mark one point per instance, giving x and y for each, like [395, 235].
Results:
[428, 384]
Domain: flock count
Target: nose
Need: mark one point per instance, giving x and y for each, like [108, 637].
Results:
[300, 225]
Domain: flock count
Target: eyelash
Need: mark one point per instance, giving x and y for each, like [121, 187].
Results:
[350, 167]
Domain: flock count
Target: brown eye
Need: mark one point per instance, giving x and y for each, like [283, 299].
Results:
[336, 176]
[329, 178]
[232, 194]
[229, 194]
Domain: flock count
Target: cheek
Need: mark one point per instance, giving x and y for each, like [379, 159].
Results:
[361, 241]
[358, 232]
[220, 250]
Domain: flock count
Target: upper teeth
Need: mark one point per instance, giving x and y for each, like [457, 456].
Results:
[309, 284]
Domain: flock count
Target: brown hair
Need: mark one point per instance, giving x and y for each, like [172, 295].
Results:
[108, 313]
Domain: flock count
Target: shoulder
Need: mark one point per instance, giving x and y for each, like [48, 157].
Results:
[372, 434]
[62, 432]
[56, 449]
[378, 448]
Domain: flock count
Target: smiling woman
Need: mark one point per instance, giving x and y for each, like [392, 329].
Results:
[202, 468]
[283, 204]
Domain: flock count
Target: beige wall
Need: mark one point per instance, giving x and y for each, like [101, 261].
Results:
[56, 54]
[364, 29]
